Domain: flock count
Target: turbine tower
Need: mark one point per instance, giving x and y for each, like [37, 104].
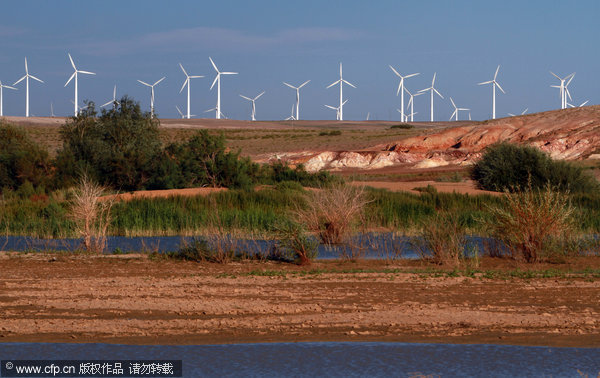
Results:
[151, 94]
[189, 84]
[341, 81]
[432, 90]
[2, 86]
[27, 76]
[456, 110]
[564, 91]
[494, 85]
[411, 103]
[253, 100]
[297, 96]
[114, 99]
[337, 110]
[401, 89]
[75, 76]
[218, 82]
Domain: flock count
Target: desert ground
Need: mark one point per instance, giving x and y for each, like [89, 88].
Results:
[136, 300]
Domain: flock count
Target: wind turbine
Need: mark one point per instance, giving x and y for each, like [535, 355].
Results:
[1, 87]
[456, 110]
[563, 88]
[291, 117]
[189, 84]
[253, 115]
[183, 115]
[411, 103]
[114, 99]
[297, 96]
[151, 94]
[522, 113]
[75, 76]
[401, 89]
[213, 109]
[218, 81]
[337, 110]
[27, 76]
[341, 81]
[432, 90]
[494, 85]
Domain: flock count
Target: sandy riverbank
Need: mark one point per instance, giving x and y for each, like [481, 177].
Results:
[132, 299]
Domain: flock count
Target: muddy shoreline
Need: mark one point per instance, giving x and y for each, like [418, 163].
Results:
[132, 299]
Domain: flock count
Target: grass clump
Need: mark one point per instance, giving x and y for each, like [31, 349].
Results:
[332, 212]
[533, 222]
[330, 133]
[507, 166]
[293, 244]
[442, 239]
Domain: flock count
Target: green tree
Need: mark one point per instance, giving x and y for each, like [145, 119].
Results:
[117, 148]
[21, 160]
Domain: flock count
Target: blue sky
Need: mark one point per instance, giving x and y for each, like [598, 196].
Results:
[268, 42]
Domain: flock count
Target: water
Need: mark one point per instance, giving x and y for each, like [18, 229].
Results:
[336, 359]
[369, 246]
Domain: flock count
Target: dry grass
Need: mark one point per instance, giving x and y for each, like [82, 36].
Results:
[531, 221]
[443, 239]
[332, 212]
[90, 214]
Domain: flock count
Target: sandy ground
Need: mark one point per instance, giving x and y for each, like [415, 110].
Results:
[130, 299]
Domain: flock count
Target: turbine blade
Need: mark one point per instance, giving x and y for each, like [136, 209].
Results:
[35, 78]
[433, 81]
[229, 73]
[72, 63]
[411, 75]
[569, 82]
[184, 84]
[164, 77]
[179, 110]
[256, 98]
[71, 78]
[195, 76]
[568, 93]
[452, 101]
[344, 103]
[485, 82]
[215, 81]
[183, 69]
[583, 104]
[396, 72]
[145, 83]
[439, 94]
[9, 87]
[331, 107]
[289, 85]
[555, 75]
[453, 114]
[499, 87]
[350, 84]
[334, 83]
[86, 72]
[303, 84]
[249, 99]
[213, 64]
[526, 109]
[496, 74]
[108, 103]
[20, 80]
[26, 70]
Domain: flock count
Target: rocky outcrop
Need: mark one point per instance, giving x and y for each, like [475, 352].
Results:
[564, 134]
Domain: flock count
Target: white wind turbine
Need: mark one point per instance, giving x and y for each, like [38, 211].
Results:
[494, 85]
[75, 76]
[253, 100]
[401, 89]
[341, 81]
[564, 91]
[27, 76]
[432, 90]
[183, 115]
[297, 97]
[218, 82]
[151, 94]
[2, 86]
[522, 113]
[213, 109]
[291, 117]
[337, 110]
[114, 99]
[411, 104]
[456, 110]
[188, 82]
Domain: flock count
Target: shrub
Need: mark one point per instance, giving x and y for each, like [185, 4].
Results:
[21, 160]
[510, 166]
[330, 133]
[294, 244]
[442, 236]
[199, 249]
[402, 126]
[90, 214]
[331, 212]
[532, 221]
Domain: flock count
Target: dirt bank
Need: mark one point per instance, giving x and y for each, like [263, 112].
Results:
[131, 299]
